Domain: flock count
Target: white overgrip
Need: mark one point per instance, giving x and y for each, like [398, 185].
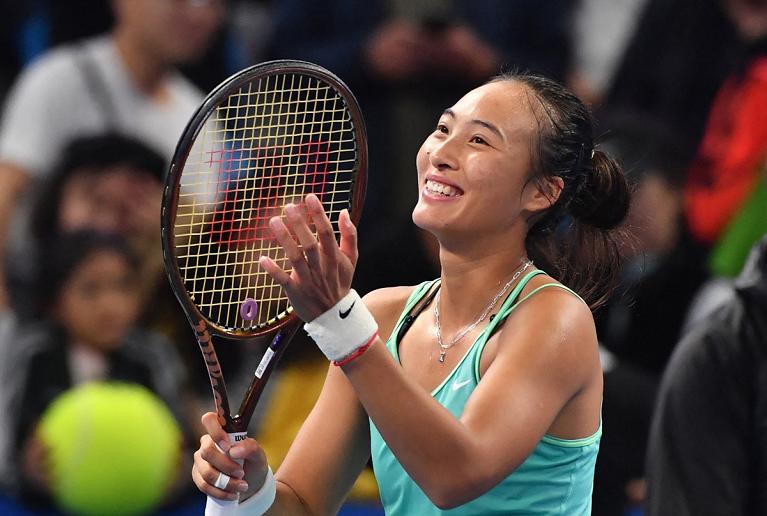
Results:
[216, 507]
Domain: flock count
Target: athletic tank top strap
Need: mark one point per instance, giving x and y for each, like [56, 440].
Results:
[413, 299]
[508, 306]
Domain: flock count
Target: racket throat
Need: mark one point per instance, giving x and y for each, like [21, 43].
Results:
[264, 370]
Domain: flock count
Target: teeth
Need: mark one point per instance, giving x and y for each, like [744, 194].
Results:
[439, 188]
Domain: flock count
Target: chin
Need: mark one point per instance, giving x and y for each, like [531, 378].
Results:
[428, 221]
[419, 217]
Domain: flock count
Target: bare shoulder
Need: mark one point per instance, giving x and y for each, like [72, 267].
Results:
[386, 305]
[548, 301]
[553, 325]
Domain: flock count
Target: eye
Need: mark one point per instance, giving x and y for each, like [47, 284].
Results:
[479, 140]
[441, 128]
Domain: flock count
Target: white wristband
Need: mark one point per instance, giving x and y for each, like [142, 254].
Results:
[344, 328]
[262, 499]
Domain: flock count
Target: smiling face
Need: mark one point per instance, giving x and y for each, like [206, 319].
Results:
[474, 169]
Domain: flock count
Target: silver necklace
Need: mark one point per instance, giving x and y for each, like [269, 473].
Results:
[443, 348]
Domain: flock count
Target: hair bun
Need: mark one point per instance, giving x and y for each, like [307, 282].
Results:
[603, 200]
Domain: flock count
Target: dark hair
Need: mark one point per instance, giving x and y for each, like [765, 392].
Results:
[68, 251]
[90, 155]
[576, 239]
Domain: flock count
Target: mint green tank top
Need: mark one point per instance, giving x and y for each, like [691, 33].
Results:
[557, 477]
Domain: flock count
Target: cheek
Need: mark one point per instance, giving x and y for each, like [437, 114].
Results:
[422, 158]
[71, 310]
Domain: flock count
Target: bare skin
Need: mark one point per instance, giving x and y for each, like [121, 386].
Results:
[13, 183]
[539, 374]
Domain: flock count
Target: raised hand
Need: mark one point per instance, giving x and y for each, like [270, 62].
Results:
[322, 268]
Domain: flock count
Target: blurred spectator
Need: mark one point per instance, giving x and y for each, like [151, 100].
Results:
[108, 183]
[113, 183]
[641, 324]
[31, 28]
[407, 60]
[125, 81]
[679, 54]
[707, 453]
[88, 334]
[726, 169]
[748, 226]
[602, 30]
[250, 29]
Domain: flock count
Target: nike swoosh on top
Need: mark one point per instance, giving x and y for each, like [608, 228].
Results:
[344, 314]
[458, 385]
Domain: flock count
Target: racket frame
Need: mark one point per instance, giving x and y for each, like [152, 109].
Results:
[286, 325]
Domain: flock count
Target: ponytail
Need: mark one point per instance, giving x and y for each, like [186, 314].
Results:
[578, 240]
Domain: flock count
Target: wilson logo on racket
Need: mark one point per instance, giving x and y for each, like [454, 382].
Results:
[253, 186]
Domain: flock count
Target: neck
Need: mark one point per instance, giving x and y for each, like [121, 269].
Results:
[144, 68]
[472, 275]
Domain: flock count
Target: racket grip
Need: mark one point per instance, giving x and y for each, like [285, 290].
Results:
[216, 507]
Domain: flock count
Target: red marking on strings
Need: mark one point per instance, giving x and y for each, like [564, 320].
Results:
[284, 173]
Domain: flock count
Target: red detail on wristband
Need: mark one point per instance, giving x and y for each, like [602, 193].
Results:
[357, 352]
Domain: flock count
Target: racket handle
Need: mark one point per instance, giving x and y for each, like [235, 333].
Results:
[216, 507]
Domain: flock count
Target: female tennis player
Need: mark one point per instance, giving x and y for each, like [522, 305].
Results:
[487, 399]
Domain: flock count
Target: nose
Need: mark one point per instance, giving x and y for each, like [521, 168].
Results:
[443, 154]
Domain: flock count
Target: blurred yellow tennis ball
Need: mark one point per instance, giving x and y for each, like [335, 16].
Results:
[114, 449]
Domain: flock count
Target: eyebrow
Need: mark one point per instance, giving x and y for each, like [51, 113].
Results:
[449, 112]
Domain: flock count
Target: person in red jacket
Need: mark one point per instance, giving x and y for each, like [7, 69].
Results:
[729, 160]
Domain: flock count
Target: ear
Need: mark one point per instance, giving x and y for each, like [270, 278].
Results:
[539, 196]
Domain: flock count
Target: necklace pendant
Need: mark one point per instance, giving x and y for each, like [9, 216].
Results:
[442, 356]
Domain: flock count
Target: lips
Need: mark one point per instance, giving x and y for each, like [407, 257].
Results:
[436, 187]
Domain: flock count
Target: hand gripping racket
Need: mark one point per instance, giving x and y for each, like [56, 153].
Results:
[265, 137]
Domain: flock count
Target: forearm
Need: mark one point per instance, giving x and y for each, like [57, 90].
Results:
[13, 181]
[286, 503]
[315, 479]
[425, 437]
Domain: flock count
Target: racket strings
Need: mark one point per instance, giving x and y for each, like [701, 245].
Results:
[274, 141]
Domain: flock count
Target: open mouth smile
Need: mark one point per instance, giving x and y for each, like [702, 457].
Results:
[436, 188]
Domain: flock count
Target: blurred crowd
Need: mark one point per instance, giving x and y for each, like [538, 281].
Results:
[96, 93]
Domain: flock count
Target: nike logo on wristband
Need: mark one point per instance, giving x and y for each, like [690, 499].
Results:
[343, 315]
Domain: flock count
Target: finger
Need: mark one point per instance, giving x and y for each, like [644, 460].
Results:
[275, 271]
[222, 481]
[209, 489]
[215, 431]
[249, 450]
[324, 228]
[298, 225]
[294, 255]
[212, 455]
[348, 237]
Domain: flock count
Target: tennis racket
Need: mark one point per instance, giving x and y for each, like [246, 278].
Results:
[265, 137]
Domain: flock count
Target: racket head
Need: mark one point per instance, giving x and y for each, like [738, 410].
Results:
[266, 136]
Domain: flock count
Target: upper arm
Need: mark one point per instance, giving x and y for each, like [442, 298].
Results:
[542, 363]
[386, 305]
